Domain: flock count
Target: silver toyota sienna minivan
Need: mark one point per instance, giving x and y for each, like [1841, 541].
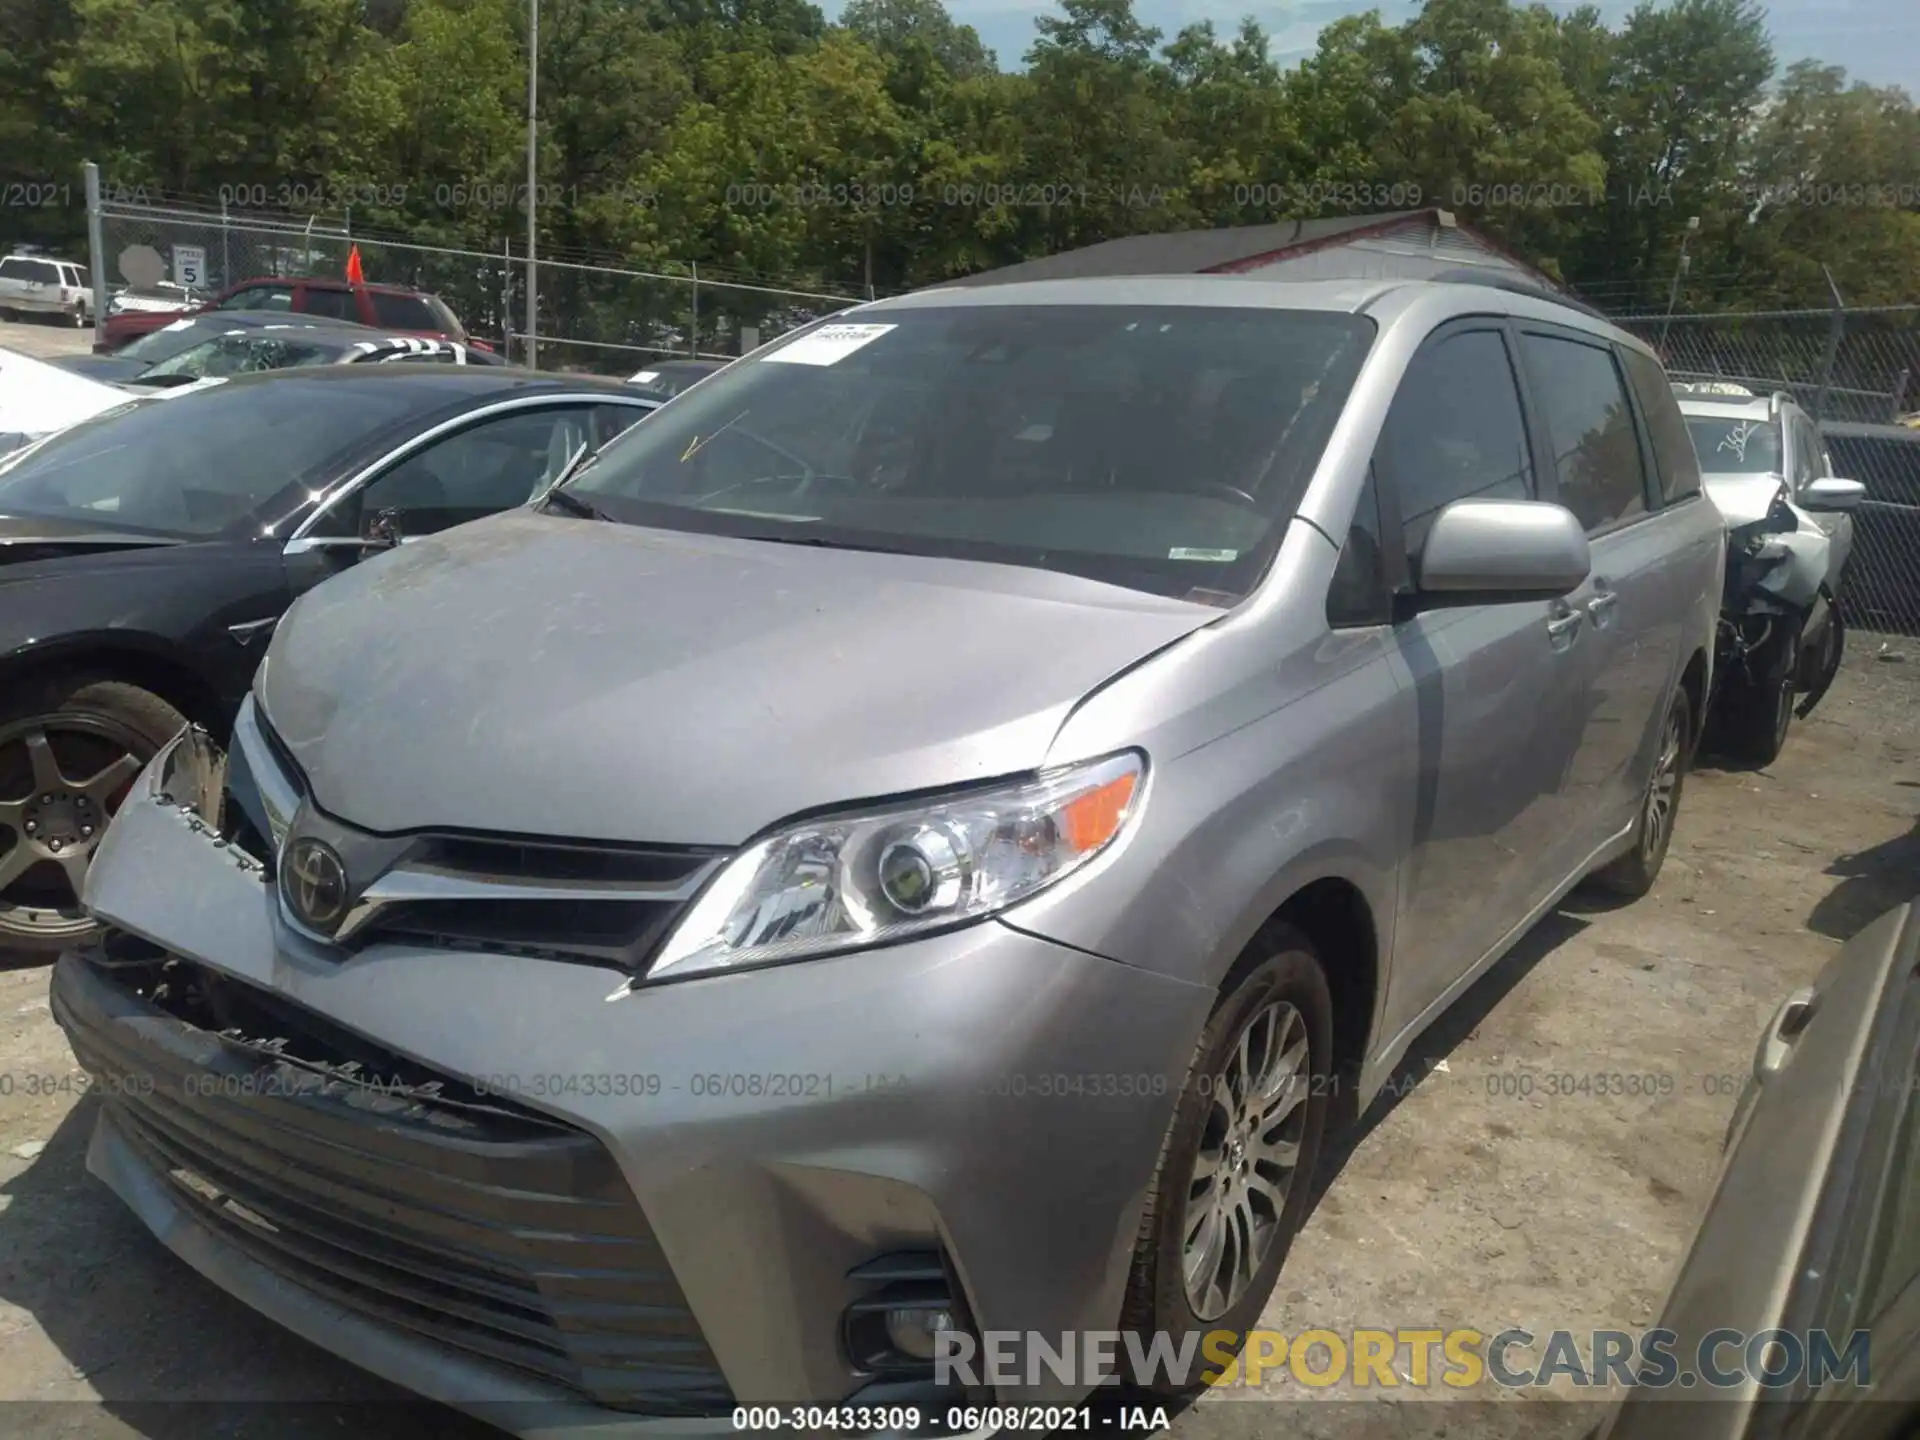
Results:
[921, 838]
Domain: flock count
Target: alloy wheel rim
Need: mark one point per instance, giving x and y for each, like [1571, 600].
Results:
[62, 777]
[1662, 789]
[1248, 1158]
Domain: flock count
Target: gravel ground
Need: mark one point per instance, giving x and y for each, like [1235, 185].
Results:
[1460, 1202]
[43, 338]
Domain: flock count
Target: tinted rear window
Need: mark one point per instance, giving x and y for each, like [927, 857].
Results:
[1672, 446]
[403, 312]
[204, 463]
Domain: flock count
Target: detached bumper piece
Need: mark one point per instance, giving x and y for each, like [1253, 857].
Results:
[399, 1194]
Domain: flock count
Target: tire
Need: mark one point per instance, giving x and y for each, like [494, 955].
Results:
[1755, 712]
[80, 317]
[99, 732]
[1632, 874]
[10, 317]
[1279, 1000]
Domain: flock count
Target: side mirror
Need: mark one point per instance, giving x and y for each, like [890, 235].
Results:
[1827, 493]
[381, 531]
[1491, 552]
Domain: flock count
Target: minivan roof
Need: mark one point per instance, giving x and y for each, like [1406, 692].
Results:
[1352, 296]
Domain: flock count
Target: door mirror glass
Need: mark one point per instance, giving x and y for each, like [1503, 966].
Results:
[1499, 551]
[1828, 493]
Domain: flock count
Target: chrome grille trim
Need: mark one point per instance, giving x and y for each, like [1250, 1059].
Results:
[480, 891]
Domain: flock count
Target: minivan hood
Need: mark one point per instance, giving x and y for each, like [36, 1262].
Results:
[540, 675]
[1742, 499]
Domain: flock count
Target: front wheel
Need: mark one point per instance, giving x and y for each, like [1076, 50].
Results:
[1633, 874]
[70, 748]
[1755, 709]
[1235, 1174]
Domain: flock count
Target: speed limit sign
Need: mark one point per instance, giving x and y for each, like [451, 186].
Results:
[189, 264]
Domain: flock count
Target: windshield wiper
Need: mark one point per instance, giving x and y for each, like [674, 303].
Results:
[821, 542]
[573, 504]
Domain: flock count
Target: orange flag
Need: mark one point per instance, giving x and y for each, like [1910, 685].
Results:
[354, 273]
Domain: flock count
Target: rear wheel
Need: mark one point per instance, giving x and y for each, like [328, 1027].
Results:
[1633, 874]
[1235, 1175]
[80, 316]
[70, 748]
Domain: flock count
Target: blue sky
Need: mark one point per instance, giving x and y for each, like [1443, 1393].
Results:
[1876, 40]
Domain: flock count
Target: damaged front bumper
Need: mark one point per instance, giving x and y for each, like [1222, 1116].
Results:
[514, 1185]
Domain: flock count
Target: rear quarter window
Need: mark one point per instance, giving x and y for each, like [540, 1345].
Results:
[403, 312]
[1673, 452]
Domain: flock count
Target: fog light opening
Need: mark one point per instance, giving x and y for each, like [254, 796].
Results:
[914, 1330]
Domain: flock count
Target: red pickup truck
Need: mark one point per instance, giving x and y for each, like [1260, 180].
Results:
[393, 308]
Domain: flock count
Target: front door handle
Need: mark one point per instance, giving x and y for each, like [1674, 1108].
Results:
[1563, 626]
[1783, 1032]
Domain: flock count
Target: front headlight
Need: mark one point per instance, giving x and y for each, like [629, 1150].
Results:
[864, 878]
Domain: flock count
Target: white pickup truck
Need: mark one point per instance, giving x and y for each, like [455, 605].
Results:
[37, 285]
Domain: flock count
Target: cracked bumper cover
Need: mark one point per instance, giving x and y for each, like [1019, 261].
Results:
[984, 1092]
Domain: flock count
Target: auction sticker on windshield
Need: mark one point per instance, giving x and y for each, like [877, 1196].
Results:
[828, 345]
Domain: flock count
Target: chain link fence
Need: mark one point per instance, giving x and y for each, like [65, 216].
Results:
[599, 318]
[1853, 365]
[1857, 371]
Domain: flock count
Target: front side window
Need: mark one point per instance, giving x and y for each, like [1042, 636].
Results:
[1162, 448]
[1738, 446]
[1597, 461]
[1455, 432]
[1358, 595]
[1809, 463]
[197, 465]
[15, 268]
[491, 465]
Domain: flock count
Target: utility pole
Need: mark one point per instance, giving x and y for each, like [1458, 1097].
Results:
[1680, 268]
[533, 153]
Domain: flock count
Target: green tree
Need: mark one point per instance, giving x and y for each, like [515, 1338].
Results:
[893, 26]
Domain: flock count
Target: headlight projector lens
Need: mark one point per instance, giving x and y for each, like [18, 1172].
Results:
[920, 872]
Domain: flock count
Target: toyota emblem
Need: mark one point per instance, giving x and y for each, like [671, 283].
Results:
[313, 884]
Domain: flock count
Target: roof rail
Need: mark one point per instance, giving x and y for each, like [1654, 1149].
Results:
[1777, 399]
[1515, 285]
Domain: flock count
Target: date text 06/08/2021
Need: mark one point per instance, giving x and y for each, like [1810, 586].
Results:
[958, 1419]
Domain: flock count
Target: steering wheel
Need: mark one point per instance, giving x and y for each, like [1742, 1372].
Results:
[1224, 491]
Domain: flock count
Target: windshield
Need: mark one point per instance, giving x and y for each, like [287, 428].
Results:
[242, 354]
[168, 340]
[1162, 448]
[1735, 446]
[196, 465]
